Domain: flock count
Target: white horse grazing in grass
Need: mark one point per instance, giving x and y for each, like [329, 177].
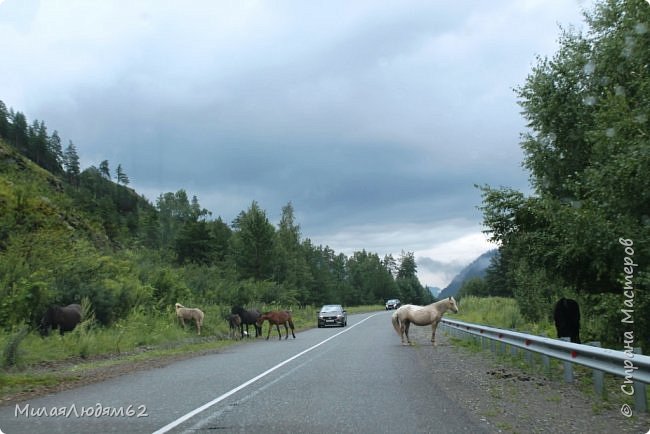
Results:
[190, 313]
[421, 316]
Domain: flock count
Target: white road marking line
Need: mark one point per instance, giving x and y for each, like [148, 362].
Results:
[214, 417]
[218, 399]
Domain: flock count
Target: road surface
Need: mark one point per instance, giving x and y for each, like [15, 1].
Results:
[357, 379]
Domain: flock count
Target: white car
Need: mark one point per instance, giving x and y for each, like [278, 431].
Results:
[393, 303]
[332, 315]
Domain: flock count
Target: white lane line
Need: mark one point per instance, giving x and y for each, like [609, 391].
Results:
[203, 423]
[218, 399]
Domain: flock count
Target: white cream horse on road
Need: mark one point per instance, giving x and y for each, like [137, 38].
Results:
[421, 316]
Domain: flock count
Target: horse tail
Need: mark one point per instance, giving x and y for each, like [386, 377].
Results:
[396, 324]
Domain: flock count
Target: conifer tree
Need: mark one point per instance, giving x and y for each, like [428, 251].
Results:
[121, 176]
[104, 170]
[71, 164]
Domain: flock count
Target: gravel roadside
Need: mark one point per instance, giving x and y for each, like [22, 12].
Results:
[510, 400]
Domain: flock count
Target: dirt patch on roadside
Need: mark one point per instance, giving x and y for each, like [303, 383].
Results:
[511, 400]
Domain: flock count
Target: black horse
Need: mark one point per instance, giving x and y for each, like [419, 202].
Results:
[64, 318]
[567, 319]
[248, 317]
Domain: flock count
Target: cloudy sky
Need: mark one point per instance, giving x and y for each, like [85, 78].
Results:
[373, 118]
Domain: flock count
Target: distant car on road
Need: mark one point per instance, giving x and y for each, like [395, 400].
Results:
[393, 303]
[332, 315]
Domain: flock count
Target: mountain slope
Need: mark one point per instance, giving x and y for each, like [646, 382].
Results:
[475, 269]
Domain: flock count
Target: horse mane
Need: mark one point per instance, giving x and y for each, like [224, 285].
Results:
[447, 300]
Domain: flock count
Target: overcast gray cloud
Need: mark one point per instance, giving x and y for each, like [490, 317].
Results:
[374, 118]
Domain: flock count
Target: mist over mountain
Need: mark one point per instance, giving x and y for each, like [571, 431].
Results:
[475, 269]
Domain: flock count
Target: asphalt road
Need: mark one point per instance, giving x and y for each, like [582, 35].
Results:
[357, 379]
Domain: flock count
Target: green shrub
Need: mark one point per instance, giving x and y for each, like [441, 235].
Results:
[10, 351]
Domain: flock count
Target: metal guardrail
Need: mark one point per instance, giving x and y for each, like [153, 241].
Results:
[630, 365]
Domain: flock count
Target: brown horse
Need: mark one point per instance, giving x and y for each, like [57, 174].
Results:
[277, 317]
[430, 314]
[234, 321]
[190, 313]
[247, 317]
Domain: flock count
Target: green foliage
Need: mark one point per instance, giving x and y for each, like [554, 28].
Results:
[290, 268]
[82, 335]
[476, 286]
[588, 149]
[409, 288]
[492, 311]
[169, 288]
[11, 347]
[252, 244]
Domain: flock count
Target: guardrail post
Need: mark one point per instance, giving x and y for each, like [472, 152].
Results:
[597, 376]
[568, 366]
[546, 360]
[640, 400]
[529, 357]
[514, 351]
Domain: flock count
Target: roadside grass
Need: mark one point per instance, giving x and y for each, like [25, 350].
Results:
[499, 312]
[29, 362]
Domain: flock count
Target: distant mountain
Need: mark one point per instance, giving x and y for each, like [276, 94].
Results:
[475, 269]
[434, 290]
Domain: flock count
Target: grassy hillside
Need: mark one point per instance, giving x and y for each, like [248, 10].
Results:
[51, 251]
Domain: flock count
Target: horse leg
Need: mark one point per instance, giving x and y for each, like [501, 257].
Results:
[434, 325]
[286, 331]
[269, 333]
[291, 325]
[407, 324]
[198, 327]
[277, 326]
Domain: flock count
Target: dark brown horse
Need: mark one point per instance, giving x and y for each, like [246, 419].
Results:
[277, 317]
[63, 318]
[567, 319]
[247, 317]
[234, 322]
